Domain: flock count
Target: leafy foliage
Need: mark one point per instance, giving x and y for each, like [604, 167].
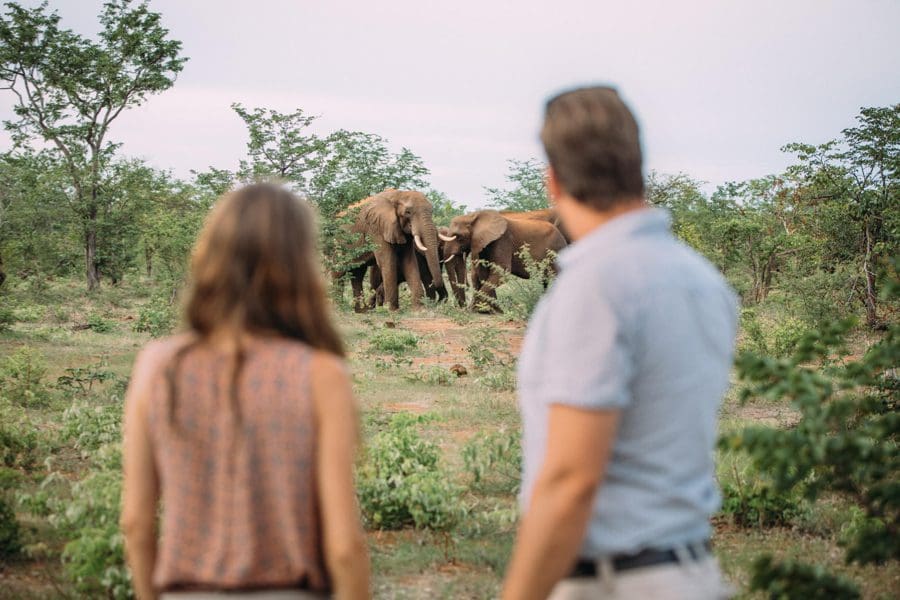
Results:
[401, 482]
[528, 191]
[22, 378]
[10, 532]
[393, 341]
[494, 460]
[846, 440]
[790, 580]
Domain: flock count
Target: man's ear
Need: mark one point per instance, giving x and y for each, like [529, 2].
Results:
[554, 190]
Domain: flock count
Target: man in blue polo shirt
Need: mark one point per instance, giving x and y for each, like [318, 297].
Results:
[624, 365]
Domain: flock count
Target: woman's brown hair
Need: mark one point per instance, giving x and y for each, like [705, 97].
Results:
[255, 269]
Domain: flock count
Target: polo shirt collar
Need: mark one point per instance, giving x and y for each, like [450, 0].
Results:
[639, 222]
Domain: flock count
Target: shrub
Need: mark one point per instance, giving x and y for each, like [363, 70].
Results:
[757, 505]
[494, 459]
[91, 426]
[99, 324]
[790, 580]
[393, 341]
[19, 443]
[778, 340]
[7, 318]
[488, 349]
[401, 482]
[94, 557]
[518, 297]
[22, 378]
[501, 379]
[432, 375]
[158, 317]
[10, 532]
[844, 444]
[81, 380]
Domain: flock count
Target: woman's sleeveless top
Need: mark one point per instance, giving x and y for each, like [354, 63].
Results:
[239, 502]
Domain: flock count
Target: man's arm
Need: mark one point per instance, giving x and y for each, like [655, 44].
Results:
[579, 442]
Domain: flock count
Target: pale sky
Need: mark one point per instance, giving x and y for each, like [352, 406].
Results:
[718, 85]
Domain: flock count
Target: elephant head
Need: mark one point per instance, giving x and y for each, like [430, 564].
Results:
[393, 216]
[473, 232]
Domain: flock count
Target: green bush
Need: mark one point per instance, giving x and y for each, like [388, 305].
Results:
[88, 517]
[80, 380]
[10, 532]
[22, 378]
[518, 297]
[487, 348]
[91, 426]
[757, 505]
[790, 580]
[845, 443]
[19, 442]
[778, 339]
[393, 341]
[99, 324]
[401, 483]
[7, 318]
[432, 375]
[500, 379]
[158, 317]
[494, 460]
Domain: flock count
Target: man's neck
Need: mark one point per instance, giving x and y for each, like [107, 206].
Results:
[580, 220]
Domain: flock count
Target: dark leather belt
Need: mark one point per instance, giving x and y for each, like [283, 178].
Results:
[645, 558]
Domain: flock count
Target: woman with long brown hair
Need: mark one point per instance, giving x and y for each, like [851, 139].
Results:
[244, 428]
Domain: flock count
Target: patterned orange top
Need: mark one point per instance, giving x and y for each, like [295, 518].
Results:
[240, 509]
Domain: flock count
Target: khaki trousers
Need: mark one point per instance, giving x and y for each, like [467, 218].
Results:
[690, 579]
[260, 595]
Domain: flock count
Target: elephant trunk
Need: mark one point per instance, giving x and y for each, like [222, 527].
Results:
[426, 231]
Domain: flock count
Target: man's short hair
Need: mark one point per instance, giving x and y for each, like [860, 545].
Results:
[593, 145]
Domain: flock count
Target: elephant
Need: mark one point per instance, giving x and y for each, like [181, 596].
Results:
[550, 215]
[398, 223]
[494, 237]
[455, 267]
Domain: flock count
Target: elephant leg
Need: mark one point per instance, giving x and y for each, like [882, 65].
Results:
[387, 263]
[413, 278]
[356, 282]
[375, 282]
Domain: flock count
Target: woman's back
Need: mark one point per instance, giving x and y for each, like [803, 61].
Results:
[238, 487]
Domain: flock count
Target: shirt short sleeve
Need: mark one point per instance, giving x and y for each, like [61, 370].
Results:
[587, 361]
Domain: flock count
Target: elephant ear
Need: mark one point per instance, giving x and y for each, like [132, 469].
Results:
[380, 219]
[488, 227]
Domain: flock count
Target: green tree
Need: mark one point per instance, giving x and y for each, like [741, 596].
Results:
[861, 171]
[68, 89]
[845, 443]
[279, 145]
[528, 190]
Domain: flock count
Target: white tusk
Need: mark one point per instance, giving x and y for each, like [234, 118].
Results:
[419, 244]
[445, 238]
[449, 258]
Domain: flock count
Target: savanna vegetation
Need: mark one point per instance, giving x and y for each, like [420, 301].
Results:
[94, 246]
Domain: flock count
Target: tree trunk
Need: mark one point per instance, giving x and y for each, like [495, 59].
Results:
[871, 297]
[92, 269]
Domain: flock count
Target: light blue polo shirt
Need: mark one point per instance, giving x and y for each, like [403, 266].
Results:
[640, 322]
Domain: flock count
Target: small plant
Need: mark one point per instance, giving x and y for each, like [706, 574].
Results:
[22, 378]
[81, 380]
[797, 581]
[393, 341]
[500, 379]
[98, 324]
[91, 426]
[7, 318]
[158, 317]
[401, 482]
[433, 375]
[488, 349]
[10, 532]
[519, 297]
[494, 459]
